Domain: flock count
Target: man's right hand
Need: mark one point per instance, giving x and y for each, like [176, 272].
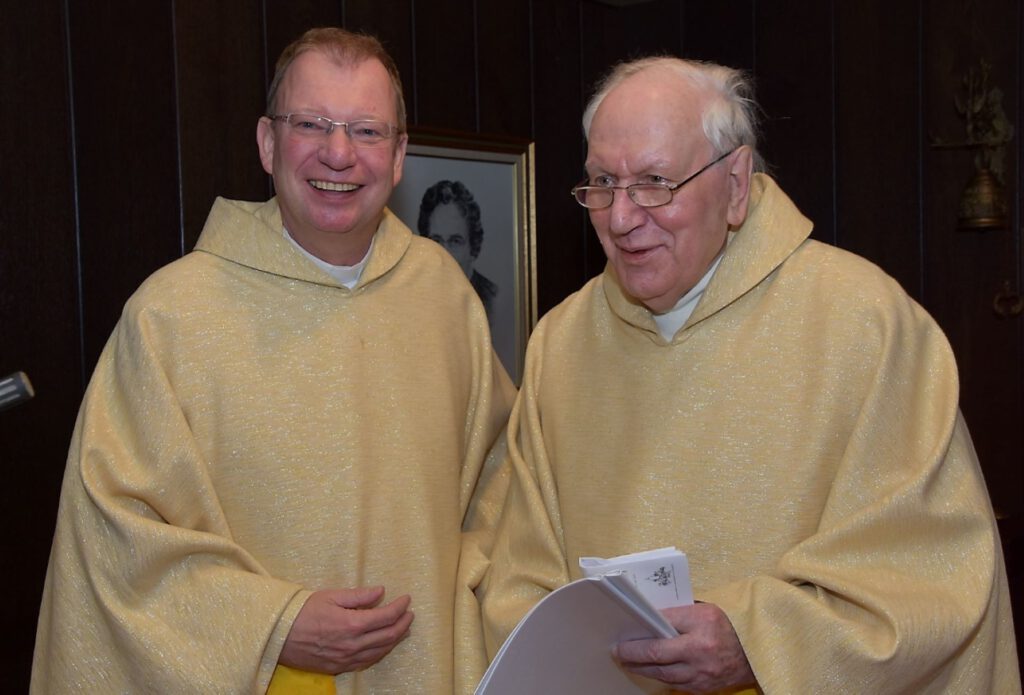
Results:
[341, 630]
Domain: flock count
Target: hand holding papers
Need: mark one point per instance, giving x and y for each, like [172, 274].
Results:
[563, 645]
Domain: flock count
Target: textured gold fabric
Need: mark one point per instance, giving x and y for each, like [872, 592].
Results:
[253, 432]
[799, 439]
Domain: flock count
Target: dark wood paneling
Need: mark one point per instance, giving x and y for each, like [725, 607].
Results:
[793, 64]
[878, 137]
[221, 94]
[1013, 524]
[446, 69]
[127, 154]
[615, 34]
[705, 22]
[996, 369]
[287, 21]
[505, 68]
[38, 309]
[558, 94]
[964, 269]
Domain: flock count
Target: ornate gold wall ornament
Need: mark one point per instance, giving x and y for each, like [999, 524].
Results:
[983, 202]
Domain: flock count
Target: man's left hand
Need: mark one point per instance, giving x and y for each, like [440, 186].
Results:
[705, 657]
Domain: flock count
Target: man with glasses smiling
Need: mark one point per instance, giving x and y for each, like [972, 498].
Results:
[777, 408]
[277, 449]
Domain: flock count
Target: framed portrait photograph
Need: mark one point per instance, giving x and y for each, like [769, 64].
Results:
[474, 195]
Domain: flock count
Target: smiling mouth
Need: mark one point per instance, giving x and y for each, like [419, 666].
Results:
[331, 186]
[636, 253]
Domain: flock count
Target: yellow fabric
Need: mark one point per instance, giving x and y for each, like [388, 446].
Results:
[290, 681]
[254, 432]
[799, 439]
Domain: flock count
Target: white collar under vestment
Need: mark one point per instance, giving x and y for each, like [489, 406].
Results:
[347, 275]
[672, 320]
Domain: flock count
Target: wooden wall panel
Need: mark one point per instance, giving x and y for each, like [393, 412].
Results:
[878, 136]
[221, 95]
[446, 65]
[38, 309]
[1013, 525]
[795, 89]
[127, 154]
[505, 69]
[705, 22]
[285, 21]
[615, 34]
[562, 234]
[964, 269]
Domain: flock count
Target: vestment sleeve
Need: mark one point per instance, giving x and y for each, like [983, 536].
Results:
[146, 589]
[526, 550]
[904, 570]
[484, 491]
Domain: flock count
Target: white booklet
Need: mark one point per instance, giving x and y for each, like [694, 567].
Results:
[662, 575]
[563, 644]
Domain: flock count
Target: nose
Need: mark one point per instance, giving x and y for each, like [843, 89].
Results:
[337, 150]
[624, 214]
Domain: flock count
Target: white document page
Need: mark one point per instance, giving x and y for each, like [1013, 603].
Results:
[662, 575]
[563, 645]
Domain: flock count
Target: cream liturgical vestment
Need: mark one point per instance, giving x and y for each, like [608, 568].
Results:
[253, 432]
[799, 438]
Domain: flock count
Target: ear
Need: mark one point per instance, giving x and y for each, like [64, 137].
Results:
[400, 147]
[265, 143]
[741, 165]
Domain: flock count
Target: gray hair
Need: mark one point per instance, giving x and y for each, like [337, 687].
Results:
[729, 119]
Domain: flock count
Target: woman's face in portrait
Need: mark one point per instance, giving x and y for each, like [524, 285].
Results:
[449, 228]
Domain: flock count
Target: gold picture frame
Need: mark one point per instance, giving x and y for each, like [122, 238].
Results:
[496, 174]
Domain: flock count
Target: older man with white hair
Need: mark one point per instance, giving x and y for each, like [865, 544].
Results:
[777, 408]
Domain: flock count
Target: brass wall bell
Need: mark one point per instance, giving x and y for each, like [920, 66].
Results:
[983, 203]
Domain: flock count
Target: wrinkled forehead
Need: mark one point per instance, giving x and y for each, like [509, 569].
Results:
[649, 110]
[645, 132]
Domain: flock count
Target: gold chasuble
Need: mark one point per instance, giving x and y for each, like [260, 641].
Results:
[254, 432]
[799, 438]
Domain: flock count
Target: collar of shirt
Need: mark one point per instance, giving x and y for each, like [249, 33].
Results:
[672, 320]
[347, 275]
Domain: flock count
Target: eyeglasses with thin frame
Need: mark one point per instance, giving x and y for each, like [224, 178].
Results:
[646, 195]
[362, 133]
